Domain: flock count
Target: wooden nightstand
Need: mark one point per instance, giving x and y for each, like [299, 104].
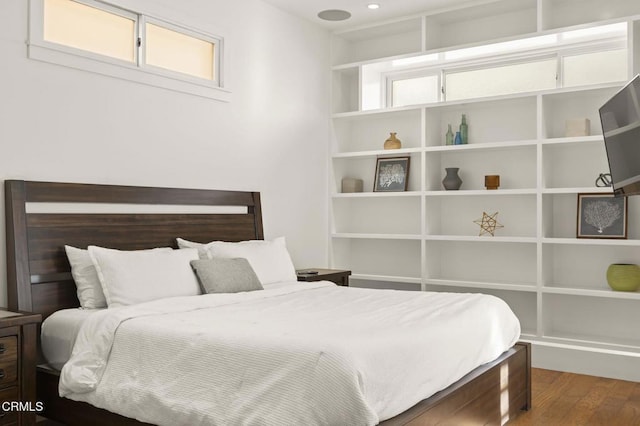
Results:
[18, 353]
[338, 276]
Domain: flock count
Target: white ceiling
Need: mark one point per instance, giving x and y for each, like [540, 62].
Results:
[360, 14]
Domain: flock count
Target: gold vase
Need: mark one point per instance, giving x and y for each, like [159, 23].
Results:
[393, 142]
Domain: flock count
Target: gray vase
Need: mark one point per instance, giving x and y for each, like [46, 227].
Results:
[451, 181]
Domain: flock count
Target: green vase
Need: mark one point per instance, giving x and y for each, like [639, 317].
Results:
[623, 277]
[464, 130]
[449, 136]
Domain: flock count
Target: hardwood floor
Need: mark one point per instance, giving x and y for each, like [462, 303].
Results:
[563, 399]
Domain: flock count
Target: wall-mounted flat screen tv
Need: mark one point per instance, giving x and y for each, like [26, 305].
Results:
[620, 119]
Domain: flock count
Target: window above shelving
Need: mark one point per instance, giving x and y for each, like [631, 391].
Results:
[561, 56]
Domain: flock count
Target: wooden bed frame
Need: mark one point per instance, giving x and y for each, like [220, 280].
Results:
[39, 280]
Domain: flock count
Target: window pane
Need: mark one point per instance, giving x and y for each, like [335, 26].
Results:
[412, 91]
[591, 68]
[179, 52]
[83, 27]
[501, 80]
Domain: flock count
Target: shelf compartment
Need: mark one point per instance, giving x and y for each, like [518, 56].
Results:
[503, 120]
[455, 216]
[346, 90]
[523, 304]
[566, 105]
[591, 320]
[365, 168]
[583, 267]
[564, 165]
[515, 165]
[560, 215]
[504, 263]
[481, 23]
[377, 215]
[369, 132]
[381, 257]
[564, 13]
[390, 39]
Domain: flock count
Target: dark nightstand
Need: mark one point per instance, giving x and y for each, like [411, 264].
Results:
[338, 276]
[18, 352]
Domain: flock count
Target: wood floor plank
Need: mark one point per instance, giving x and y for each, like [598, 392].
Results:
[583, 410]
[566, 399]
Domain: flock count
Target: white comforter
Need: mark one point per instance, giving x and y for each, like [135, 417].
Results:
[299, 354]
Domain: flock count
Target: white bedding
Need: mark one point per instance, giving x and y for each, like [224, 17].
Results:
[293, 354]
[58, 334]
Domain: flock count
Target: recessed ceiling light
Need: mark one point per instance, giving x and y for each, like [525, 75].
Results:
[373, 6]
[334, 15]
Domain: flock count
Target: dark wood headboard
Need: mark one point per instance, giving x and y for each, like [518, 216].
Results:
[38, 273]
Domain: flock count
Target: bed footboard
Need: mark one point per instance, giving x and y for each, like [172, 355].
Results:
[492, 394]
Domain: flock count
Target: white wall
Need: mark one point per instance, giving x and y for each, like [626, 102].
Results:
[62, 124]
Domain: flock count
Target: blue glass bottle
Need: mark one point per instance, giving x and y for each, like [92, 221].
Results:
[458, 139]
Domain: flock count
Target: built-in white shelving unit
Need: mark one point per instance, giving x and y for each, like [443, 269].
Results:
[425, 238]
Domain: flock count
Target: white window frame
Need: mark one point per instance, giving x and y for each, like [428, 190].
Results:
[216, 41]
[493, 60]
[495, 64]
[406, 75]
[40, 49]
[586, 49]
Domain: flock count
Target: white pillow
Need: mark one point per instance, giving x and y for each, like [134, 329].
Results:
[84, 275]
[130, 277]
[202, 248]
[270, 260]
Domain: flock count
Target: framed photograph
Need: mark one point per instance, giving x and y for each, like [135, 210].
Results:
[391, 174]
[602, 216]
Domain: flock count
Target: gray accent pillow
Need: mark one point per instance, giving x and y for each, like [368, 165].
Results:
[226, 275]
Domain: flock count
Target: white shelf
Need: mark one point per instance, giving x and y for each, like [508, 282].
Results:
[489, 99]
[488, 145]
[576, 190]
[592, 242]
[574, 139]
[378, 194]
[480, 192]
[623, 129]
[481, 239]
[606, 293]
[588, 343]
[481, 285]
[374, 112]
[376, 236]
[378, 153]
[387, 278]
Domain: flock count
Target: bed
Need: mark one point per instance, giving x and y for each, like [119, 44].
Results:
[39, 281]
